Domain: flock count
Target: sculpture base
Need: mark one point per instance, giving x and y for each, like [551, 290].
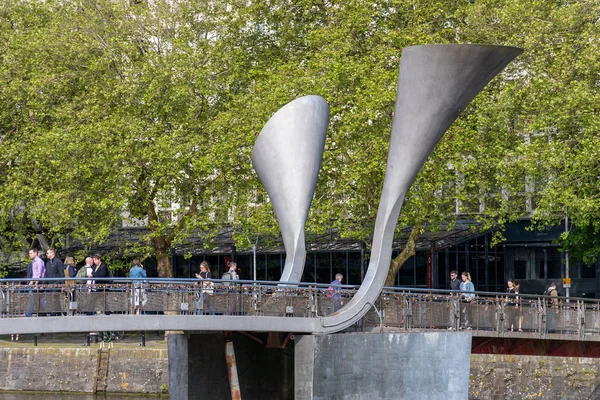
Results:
[383, 366]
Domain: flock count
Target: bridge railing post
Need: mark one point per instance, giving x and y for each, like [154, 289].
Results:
[580, 319]
[312, 301]
[542, 317]
[455, 310]
[500, 315]
[407, 313]
[6, 291]
[254, 299]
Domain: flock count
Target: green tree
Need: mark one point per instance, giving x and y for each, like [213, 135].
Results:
[110, 110]
[115, 110]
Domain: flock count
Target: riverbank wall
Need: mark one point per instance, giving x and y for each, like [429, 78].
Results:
[64, 369]
[72, 368]
[516, 377]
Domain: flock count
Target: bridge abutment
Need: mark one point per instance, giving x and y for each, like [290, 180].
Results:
[433, 365]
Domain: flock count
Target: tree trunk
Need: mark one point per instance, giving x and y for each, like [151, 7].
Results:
[406, 253]
[164, 267]
[160, 243]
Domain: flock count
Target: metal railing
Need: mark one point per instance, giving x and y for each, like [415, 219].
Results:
[487, 314]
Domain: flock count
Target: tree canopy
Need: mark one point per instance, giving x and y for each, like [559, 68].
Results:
[116, 110]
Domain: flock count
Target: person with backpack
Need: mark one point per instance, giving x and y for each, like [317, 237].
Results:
[69, 267]
[231, 273]
[69, 272]
[553, 311]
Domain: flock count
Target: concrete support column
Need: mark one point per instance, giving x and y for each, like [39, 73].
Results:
[383, 366]
[177, 345]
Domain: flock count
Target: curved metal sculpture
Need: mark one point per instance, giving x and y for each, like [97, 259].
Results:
[287, 157]
[436, 83]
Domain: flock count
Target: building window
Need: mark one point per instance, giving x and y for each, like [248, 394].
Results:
[324, 268]
[588, 271]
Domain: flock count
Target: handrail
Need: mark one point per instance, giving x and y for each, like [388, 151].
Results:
[288, 286]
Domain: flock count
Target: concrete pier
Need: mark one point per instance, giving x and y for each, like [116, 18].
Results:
[383, 366]
[340, 366]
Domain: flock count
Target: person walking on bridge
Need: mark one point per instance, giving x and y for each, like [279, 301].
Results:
[468, 293]
[54, 267]
[454, 308]
[139, 296]
[38, 271]
[454, 281]
[207, 289]
[100, 269]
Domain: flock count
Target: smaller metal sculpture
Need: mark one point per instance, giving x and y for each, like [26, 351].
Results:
[287, 157]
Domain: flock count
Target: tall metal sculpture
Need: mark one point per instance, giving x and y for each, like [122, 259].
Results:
[287, 157]
[436, 83]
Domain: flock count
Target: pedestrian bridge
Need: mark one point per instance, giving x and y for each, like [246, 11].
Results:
[259, 306]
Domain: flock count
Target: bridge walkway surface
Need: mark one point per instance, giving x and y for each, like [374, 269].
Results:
[184, 305]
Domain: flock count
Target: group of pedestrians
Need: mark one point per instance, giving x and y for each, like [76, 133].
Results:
[55, 268]
[464, 291]
[206, 287]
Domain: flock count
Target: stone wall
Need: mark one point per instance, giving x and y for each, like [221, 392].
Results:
[138, 370]
[144, 370]
[52, 369]
[515, 377]
[74, 369]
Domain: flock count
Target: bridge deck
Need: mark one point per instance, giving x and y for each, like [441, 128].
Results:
[259, 306]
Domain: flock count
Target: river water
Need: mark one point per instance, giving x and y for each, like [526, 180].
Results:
[76, 396]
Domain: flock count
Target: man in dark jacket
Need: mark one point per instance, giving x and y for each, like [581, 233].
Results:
[100, 269]
[454, 281]
[54, 266]
[454, 311]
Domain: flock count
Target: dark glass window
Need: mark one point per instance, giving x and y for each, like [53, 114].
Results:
[324, 268]
[182, 267]
[496, 264]
[443, 271]
[309, 274]
[338, 265]
[214, 263]
[407, 273]
[151, 267]
[541, 263]
[245, 265]
[463, 263]
[274, 266]
[520, 263]
[354, 265]
[555, 265]
[421, 269]
[261, 266]
[453, 261]
[588, 271]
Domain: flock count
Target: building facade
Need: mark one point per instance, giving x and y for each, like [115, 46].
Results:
[529, 255]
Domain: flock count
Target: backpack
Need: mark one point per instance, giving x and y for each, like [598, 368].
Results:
[67, 273]
[329, 292]
[227, 276]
